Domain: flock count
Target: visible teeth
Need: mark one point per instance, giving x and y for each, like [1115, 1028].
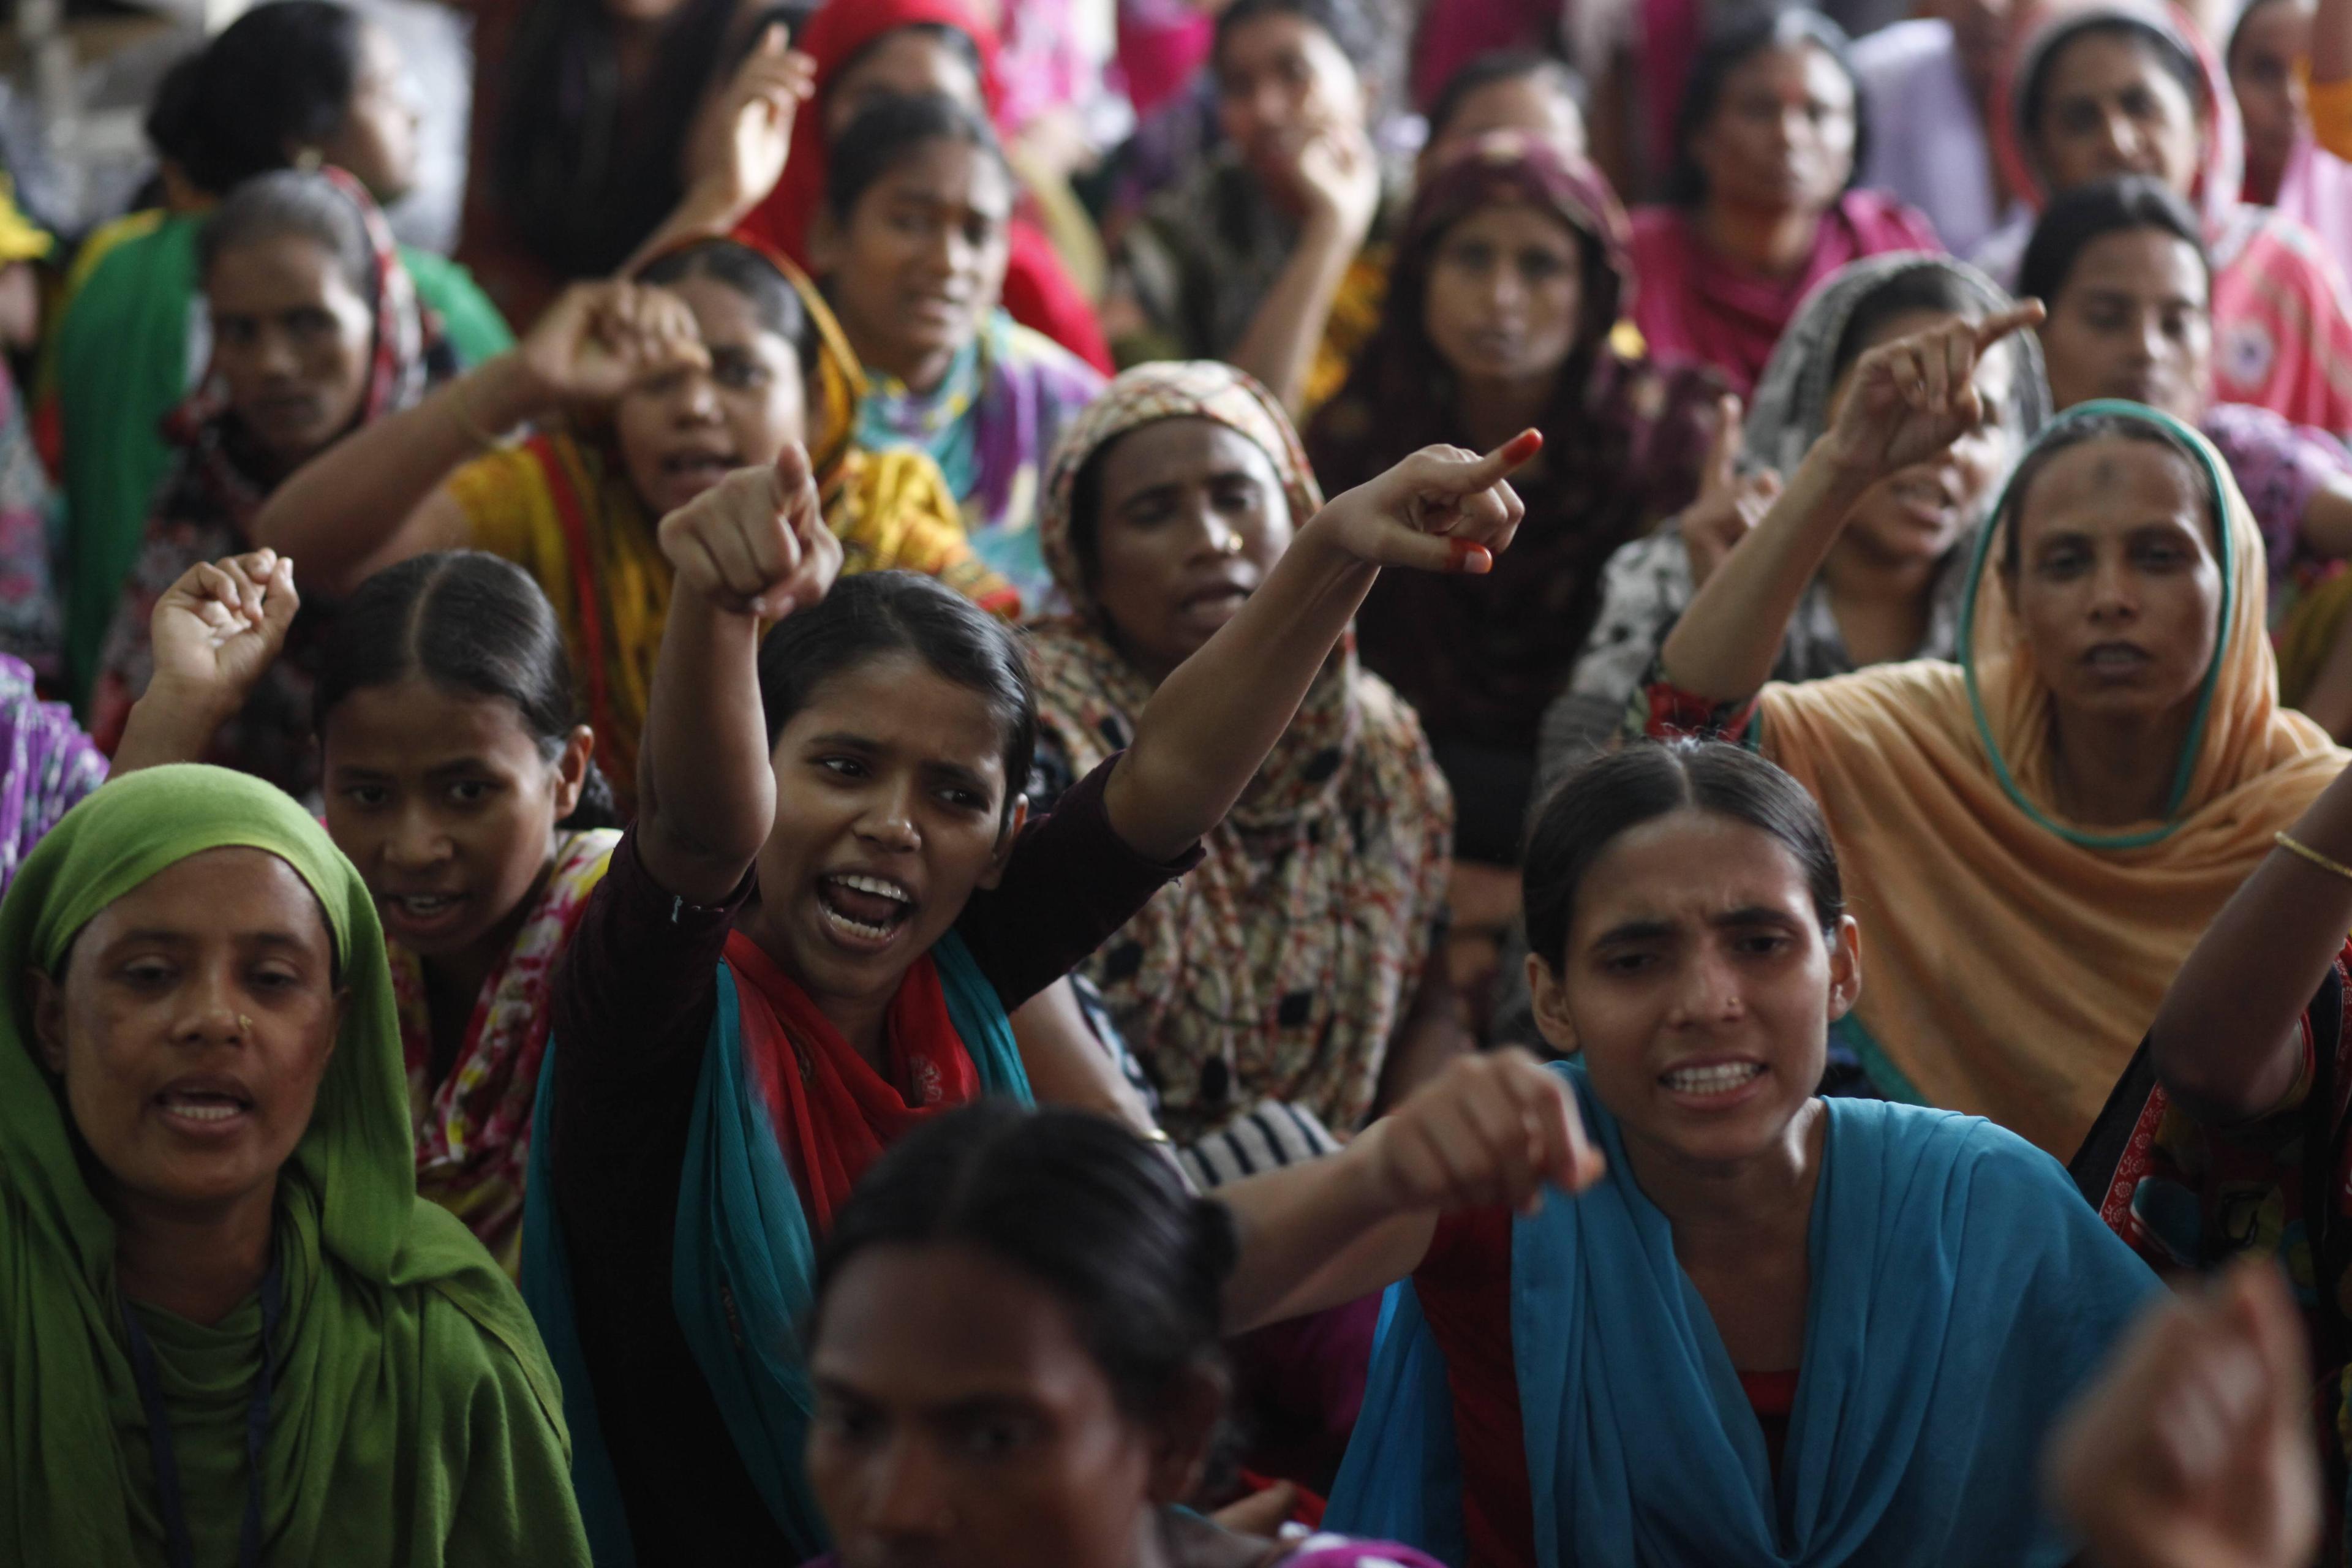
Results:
[1719, 1079]
[425, 904]
[876, 886]
[858, 928]
[203, 1109]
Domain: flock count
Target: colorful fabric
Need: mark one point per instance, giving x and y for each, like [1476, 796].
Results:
[2282, 306]
[1202, 255]
[32, 610]
[2190, 1197]
[2001, 980]
[1960, 1294]
[1693, 304]
[2279, 467]
[1281, 966]
[130, 347]
[1038, 288]
[417, 1420]
[1624, 439]
[991, 425]
[560, 507]
[47, 765]
[218, 483]
[473, 1119]
[786, 1117]
[1315, 1551]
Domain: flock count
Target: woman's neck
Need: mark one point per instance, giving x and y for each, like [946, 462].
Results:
[1492, 411]
[1770, 242]
[2113, 770]
[454, 981]
[1759, 1206]
[196, 1263]
[863, 1021]
[1882, 607]
[920, 372]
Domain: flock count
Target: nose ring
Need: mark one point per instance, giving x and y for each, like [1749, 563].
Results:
[245, 1022]
[1231, 546]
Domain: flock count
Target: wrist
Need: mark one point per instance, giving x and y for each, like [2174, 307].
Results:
[505, 391]
[713, 206]
[184, 706]
[1837, 477]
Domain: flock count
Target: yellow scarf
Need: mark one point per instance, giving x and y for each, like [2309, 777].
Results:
[2013, 961]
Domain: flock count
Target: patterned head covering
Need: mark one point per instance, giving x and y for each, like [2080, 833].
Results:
[1271, 979]
[1173, 389]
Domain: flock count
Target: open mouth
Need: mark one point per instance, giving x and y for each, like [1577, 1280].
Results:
[1716, 1078]
[868, 910]
[700, 469]
[2116, 658]
[203, 1107]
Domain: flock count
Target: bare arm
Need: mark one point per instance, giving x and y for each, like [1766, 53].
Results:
[738, 148]
[2327, 518]
[1491, 1129]
[1068, 1065]
[213, 633]
[1210, 724]
[752, 547]
[1909, 400]
[2228, 1041]
[374, 497]
[1341, 174]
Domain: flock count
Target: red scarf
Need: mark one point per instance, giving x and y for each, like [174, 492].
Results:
[832, 1111]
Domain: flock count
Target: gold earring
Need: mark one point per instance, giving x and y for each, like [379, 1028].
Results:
[308, 159]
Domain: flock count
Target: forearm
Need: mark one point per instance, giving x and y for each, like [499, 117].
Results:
[167, 726]
[1316, 1235]
[1204, 734]
[1723, 647]
[705, 213]
[1280, 346]
[344, 510]
[2227, 1041]
[707, 797]
[1068, 1065]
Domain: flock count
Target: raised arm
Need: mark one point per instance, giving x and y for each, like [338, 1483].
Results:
[738, 148]
[374, 498]
[1494, 1129]
[213, 633]
[1212, 722]
[1909, 400]
[2228, 1041]
[750, 549]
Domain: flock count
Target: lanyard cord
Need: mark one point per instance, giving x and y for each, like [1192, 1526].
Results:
[179, 1547]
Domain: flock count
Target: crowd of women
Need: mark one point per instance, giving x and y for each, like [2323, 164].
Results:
[1122, 804]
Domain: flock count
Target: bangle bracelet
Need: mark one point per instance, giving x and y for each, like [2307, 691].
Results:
[2297, 847]
[461, 410]
[1159, 1135]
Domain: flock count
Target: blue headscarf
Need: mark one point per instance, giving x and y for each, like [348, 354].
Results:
[1961, 1292]
[742, 1244]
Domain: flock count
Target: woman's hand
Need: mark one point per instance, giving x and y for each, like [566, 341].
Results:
[1913, 397]
[1730, 502]
[756, 543]
[1440, 510]
[1494, 1128]
[601, 340]
[1339, 174]
[215, 630]
[2194, 1449]
[743, 137]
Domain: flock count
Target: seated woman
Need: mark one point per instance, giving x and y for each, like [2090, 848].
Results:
[1508, 279]
[460, 783]
[1078, 1285]
[2123, 270]
[296, 82]
[316, 332]
[1533, 94]
[1305, 929]
[1891, 588]
[1762, 204]
[911, 249]
[1273, 255]
[1772, 1328]
[2110, 739]
[2228, 1136]
[716, 357]
[809, 941]
[236, 1333]
[858, 53]
[2285, 168]
[2124, 86]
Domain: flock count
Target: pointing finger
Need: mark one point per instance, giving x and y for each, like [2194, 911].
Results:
[2001, 324]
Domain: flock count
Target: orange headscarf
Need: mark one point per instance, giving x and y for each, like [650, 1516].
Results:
[2013, 960]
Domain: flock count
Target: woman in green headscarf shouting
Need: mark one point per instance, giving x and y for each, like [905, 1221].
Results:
[229, 1332]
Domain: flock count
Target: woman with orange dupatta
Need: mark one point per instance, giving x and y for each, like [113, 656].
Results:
[2037, 836]
[716, 357]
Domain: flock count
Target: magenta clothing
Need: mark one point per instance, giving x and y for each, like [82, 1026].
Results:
[2279, 467]
[1692, 305]
[1315, 1551]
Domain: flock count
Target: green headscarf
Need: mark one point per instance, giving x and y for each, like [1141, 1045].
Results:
[415, 1420]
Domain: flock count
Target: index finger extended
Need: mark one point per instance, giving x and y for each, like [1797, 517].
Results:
[2001, 324]
[1566, 1155]
[1496, 465]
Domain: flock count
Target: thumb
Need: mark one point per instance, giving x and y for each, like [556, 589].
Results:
[2001, 324]
[278, 606]
[1723, 452]
[1420, 551]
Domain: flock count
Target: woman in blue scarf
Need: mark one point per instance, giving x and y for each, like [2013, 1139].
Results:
[1773, 1329]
